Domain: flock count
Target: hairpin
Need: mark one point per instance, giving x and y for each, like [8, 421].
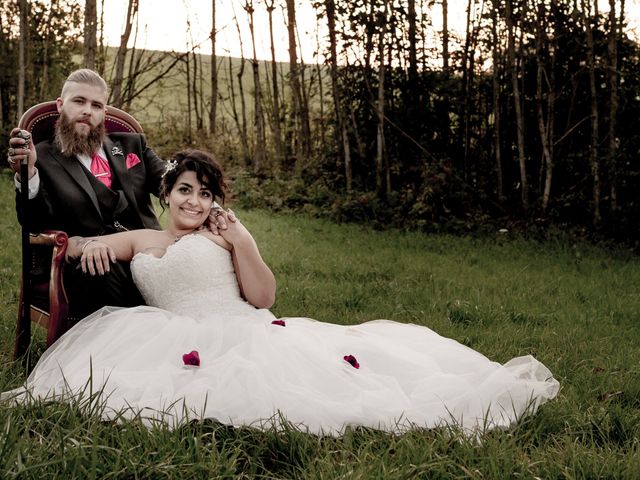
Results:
[171, 164]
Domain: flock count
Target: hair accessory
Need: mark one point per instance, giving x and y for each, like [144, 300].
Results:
[171, 164]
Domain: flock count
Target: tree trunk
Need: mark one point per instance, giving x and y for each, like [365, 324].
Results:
[276, 119]
[242, 122]
[613, 103]
[446, 107]
[102, 56]
[22, 46]
[467, 82]
[323, 123]
[301, 116]
[413, 49]
[381, 185]
[497, 142]
[544, 126]
[342, 137]
[513, 67]
[90, 33]
[44, 81]
[214, 72]
[445, 36]
[116, 93]
[593, 147]
[258, 125]
[196, 97]
[189, 124]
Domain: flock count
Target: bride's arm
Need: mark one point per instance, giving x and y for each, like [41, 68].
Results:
[256, 281]
[96, 253]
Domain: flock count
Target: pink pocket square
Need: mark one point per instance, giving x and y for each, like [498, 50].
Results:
[132, 160]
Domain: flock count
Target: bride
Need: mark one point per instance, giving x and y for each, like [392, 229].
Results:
[207, 347]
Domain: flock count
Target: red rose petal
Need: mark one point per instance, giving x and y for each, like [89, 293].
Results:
[191, 358]
[279, 322]
[351, 360]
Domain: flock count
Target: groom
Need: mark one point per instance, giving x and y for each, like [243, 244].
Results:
[87, 182]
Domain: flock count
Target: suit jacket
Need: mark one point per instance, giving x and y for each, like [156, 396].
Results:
[66, 200]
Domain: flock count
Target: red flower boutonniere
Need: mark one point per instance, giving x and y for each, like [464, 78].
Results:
[191, 359]
[279, 322]
[351, 360]
[132, 160]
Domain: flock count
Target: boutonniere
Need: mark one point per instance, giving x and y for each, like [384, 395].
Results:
[117, 151]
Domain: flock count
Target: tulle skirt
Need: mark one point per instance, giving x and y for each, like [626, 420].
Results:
[256, 370]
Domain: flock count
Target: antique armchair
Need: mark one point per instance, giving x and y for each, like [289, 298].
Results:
[49, 304]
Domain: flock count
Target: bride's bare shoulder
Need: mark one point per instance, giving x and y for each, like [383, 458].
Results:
[215, 239]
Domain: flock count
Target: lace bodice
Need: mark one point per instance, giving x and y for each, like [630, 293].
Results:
[194, 276]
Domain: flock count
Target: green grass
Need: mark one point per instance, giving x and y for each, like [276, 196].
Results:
[574, 306]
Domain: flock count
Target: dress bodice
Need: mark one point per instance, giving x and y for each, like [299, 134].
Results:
[194, 276]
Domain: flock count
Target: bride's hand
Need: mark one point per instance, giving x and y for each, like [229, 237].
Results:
[96, 257]
[217, 221]
[235, 231]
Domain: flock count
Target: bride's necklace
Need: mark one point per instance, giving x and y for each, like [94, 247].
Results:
[178, 236]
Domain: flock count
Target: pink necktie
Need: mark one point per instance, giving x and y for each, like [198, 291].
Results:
[100, 169]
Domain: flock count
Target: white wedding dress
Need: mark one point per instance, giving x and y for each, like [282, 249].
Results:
[254, 372]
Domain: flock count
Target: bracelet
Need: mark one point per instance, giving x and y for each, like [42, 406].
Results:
[85, 245]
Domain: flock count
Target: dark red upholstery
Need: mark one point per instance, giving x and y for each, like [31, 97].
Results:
[41, 118]
[50, 306]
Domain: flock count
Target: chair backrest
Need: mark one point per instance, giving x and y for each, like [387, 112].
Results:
[40, 120]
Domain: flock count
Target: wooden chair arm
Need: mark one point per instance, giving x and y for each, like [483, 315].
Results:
[58, 302]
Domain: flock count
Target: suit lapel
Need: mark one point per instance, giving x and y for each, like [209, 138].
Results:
[116, 156]
[74, 168]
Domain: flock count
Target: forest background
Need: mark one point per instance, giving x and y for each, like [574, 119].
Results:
[524, 121]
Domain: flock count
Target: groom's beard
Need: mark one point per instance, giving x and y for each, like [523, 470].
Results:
[71, 143]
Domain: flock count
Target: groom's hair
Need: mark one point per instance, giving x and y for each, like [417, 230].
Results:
[85, 76]
[206, 167]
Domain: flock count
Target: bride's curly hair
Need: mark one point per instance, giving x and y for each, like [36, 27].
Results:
[207, 169]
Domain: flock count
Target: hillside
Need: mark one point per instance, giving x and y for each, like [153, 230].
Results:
[167, 100]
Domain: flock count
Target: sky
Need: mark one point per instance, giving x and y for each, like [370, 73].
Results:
[163, 25]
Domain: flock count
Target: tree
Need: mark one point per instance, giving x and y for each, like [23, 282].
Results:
[495, 84]
[517, 102]
[612, 49]
[544, 80]
[301, 113]
[342, 136]
[383, 184]
[90, 33]
[22, 47]
[258, 120]
[593, 90]
[276, 115]
[214, 72]
[131, 16]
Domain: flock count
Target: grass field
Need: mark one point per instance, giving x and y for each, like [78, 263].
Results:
[574, 306]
